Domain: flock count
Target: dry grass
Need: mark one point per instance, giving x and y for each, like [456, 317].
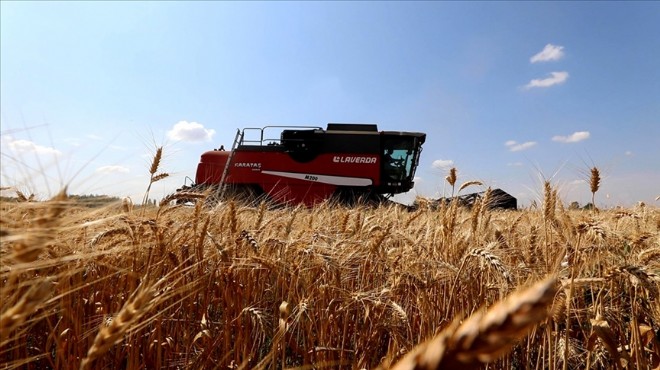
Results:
[236, 286]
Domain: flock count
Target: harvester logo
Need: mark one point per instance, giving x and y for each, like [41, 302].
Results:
[247, 165]
[352, 159]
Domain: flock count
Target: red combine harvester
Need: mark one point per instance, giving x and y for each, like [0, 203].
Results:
[309, 164]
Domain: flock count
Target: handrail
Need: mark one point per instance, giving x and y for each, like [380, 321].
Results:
[263, 129]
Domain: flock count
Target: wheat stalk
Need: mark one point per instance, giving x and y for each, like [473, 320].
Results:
[592, 228]
[549, 202]
[492, 260]
[260, 215]
[127, 204]
[155, 163]
[111, 233]
[468, 184]
[353, 307]
[474, 218]
[181, 195]
[451, 179]
[159, 177]
[648, 255]
[21, 197]
[245, 235]
[636, 274]
[594, 184]
[16, 315]
[27, 246]
[112, 334]
[486, 335]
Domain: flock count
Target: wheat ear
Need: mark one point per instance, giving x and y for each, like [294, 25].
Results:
[594, 184]
[451, 179]
[15, 316]
[187, 195]
[493, 261]
[486, 335]
[155, 163]
[468, 184]
[549, 202]
[114, 333]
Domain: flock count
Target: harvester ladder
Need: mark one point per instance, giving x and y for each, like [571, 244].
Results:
[237, 140]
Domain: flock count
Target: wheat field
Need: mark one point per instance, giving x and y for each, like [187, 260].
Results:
[241, 286]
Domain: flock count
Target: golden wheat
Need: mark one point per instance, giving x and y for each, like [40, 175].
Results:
[363, 286]
[113, 333]
[484, 336]
[15, 316]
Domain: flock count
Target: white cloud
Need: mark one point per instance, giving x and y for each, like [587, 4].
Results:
[112, 169]
[442, 164]
[190, 132]
[550, 52]
[578, 182]
[629, 153]
[25, 146]
[573, 138]
[555, 79]
[516, 147]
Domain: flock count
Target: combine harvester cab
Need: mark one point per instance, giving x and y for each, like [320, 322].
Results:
[307, 165]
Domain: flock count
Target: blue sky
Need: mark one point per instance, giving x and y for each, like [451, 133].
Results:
[508, 92]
